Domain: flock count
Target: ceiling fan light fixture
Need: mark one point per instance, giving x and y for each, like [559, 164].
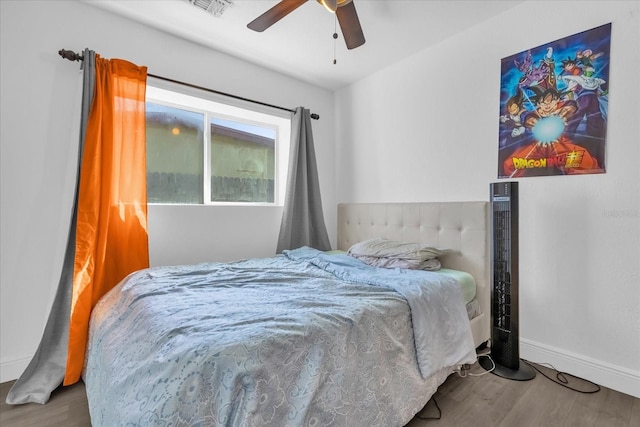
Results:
[330, 5]
[333, 5]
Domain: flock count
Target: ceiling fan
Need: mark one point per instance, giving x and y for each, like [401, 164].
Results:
[345, 11]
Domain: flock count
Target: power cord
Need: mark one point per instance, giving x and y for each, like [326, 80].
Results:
[464, 370]
[493, 366]
[437, 407]
[561, 378]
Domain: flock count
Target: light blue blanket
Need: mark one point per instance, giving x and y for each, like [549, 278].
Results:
[435, 300]
[302, 338]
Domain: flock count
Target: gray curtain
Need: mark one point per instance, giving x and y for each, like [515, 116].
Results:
[46, 370]
[302, 218]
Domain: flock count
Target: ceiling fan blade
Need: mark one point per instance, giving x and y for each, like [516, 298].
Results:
[275, 14]
[350, 25]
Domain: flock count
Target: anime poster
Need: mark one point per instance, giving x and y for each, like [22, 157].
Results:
[553, 107]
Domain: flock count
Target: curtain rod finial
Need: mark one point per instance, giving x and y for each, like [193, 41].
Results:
[70, 55]
[315, 116]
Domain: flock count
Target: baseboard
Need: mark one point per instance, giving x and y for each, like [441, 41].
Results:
[607, 375]
[11, 369]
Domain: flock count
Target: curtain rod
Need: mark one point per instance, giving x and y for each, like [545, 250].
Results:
[73, 56]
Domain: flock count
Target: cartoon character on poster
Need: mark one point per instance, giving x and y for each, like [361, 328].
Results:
[553, 107]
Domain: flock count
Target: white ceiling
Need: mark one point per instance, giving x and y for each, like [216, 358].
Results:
[302, 45]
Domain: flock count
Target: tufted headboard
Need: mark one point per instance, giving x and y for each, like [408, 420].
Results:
[461, 226]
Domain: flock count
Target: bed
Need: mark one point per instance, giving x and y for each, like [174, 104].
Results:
[304, 338]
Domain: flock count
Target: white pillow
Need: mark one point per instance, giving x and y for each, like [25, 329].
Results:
[394, 254]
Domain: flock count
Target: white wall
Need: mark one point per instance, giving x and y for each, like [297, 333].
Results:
[425, 129]
[39, 102]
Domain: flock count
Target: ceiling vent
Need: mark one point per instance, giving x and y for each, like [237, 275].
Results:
[215, 7]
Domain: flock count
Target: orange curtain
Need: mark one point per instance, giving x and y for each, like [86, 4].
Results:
[111, 233]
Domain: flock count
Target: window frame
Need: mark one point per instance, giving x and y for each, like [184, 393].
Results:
[213, 105]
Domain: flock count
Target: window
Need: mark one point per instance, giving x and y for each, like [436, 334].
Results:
[203, 151]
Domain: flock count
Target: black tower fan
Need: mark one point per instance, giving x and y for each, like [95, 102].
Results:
[504, 285]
